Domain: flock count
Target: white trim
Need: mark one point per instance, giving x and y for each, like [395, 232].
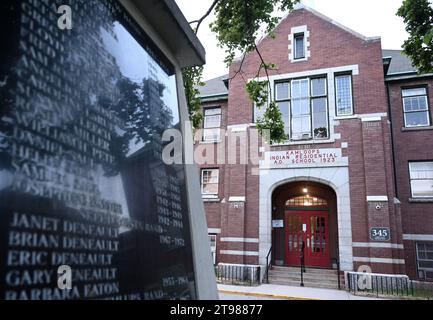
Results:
[353, 68]
[292, 47]
[379, 260]
[418, 237]
[335, 177]
[213, 230]
[246, 240]
[240, 253]
[377, 245]
[377, 199]
[240, 127]
[371, 119]
[237, 199]
[361, 116]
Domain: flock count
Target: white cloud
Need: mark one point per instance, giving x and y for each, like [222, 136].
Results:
[368, 17]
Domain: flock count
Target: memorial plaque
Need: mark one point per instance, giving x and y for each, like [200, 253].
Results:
[82, 181]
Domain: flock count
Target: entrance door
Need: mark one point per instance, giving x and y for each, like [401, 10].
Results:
[312, 228]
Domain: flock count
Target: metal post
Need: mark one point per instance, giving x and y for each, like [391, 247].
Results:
[302, 262]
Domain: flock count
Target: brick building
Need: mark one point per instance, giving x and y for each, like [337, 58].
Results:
[354, 180]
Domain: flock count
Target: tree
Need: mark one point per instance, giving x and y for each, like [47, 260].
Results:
[237, 26]
[418, 17]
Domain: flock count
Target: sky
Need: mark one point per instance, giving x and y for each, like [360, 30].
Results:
[368, 17]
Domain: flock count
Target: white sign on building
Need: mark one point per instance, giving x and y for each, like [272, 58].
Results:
[304, 158]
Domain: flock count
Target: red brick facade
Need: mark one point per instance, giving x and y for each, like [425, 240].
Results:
[364, 186]
[411, 145]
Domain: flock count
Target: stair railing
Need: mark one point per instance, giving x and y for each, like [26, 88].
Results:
[268, 264]
[302, 257]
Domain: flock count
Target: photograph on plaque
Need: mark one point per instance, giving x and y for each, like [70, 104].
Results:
[82, 181]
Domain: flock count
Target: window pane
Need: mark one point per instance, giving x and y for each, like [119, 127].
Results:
[210, 188]
[211, 134]
[415, 119]
[285, 111]
[414, 92]
[211, 112]
[259, 112]
[300, 107]
[426, 264]
[282, 91]
[320, 118]
[299, 47]
[212, 121]
[301, 127]
[344, 95]
[318, 87]
[415, 104]
[421, 170]
[300, 88]
[422, 188]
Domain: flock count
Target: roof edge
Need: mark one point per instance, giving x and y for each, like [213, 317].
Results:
[407, 76]
[301, 6]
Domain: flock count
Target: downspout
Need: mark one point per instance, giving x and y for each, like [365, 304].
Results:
[388, 94]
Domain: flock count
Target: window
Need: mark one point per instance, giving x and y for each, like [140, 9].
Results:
[213, 244]
[306, 201]
[209, 182]
[421, 179]
[424, 255]
[212, 124]
[344, 98]
[299, 46]
[415, 105]
[304, 106]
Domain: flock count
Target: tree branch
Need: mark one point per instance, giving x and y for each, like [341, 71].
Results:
[199, 21]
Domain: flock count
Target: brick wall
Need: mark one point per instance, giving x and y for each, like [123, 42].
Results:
[413, 145]
[369, 142]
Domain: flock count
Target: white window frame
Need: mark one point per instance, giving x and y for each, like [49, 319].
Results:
[412, 179]
[295, 31]
[295, 51]
[216, 128]
[430, 270]
[213, 249]
[310, 116]
[351, 95]
[310, 98]
[209, 195]
[427, 110]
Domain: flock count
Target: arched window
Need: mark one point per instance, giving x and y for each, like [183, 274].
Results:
[306, 201]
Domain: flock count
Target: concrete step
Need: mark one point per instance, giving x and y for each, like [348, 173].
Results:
[308, 273]
[308, 278]
[298, 269]
[314, 278]
[306, 284]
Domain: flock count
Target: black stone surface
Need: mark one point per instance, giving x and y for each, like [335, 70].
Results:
[82, 181]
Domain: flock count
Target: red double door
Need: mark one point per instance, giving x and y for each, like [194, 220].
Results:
[312, 228]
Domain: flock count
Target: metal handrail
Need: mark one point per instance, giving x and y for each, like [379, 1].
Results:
[302, 258]
[268, 265]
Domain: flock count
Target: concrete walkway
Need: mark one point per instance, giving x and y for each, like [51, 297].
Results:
[289, 293]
